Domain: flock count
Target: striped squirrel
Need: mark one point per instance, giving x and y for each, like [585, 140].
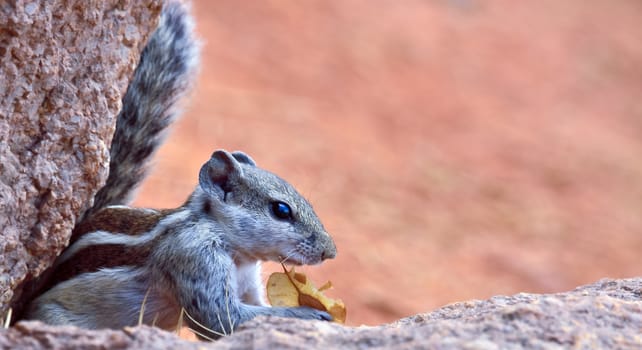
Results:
[203, 257]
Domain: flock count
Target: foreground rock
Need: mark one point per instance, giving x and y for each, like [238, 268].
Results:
[604, 315]
[64, 66]
[36, 335]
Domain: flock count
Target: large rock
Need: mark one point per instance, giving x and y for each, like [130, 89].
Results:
[604, 315]
[63, 68]
[36, 335]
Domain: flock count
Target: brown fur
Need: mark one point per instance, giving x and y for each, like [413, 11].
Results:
[93, 258]
[123, 220]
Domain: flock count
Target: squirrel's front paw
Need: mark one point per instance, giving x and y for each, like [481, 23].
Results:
[309, 313]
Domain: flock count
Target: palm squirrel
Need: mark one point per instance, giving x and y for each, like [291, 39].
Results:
[202, 258]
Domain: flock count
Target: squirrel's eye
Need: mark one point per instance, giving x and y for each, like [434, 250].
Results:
[281, 210]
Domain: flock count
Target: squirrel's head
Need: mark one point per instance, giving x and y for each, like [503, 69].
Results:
[264, 216]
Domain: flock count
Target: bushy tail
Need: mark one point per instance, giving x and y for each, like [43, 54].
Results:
[164, 74]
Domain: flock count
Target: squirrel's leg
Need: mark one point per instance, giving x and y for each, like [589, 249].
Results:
[206, 286]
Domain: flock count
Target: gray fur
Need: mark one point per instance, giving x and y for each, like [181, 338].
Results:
[164, 74]
[246, 208]
[109, 298]
[243, 158]
[217, 284]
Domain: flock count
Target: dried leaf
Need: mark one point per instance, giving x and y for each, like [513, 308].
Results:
[291, 289]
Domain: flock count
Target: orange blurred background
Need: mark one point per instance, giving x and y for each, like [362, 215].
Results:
[455, 149]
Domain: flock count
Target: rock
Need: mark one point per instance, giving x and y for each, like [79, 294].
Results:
[63, 68]
[607, 314]
[37, 335]
[604, 315]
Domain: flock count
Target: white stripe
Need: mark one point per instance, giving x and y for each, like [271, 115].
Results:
[106, 237]
[125, 207]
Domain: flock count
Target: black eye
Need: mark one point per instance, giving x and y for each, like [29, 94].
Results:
[281, 210]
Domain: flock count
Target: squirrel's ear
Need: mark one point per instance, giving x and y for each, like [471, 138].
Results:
[243, 158]
[216, 174]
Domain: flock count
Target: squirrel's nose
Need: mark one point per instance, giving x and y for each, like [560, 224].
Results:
[330, 251]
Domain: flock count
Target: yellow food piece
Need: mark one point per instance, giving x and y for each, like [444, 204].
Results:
[290, 288]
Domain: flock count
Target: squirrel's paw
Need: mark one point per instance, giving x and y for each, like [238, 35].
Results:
[309, 313]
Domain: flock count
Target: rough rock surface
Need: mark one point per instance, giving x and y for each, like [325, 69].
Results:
[604, 315]
[36, 335]
[64, 65]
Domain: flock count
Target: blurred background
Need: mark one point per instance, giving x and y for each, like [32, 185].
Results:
[455, 149]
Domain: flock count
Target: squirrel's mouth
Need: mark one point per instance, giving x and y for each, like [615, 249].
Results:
[293, 259]
[298, 259]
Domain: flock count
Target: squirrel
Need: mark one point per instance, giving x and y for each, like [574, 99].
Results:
[203, 258]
